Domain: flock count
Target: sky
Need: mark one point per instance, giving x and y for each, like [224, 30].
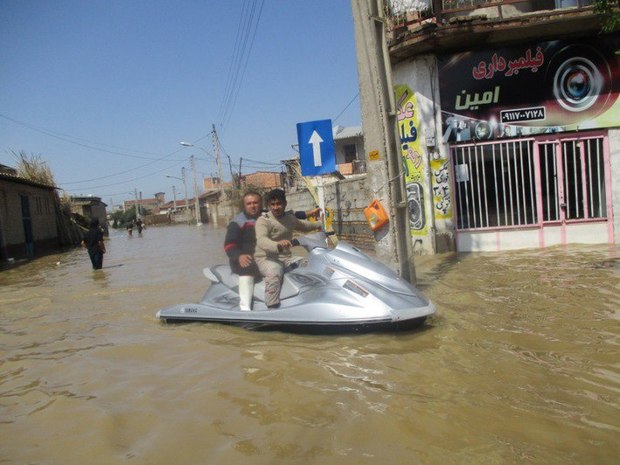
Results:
[103, 91]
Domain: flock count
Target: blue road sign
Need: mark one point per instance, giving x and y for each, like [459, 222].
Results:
[317, 152]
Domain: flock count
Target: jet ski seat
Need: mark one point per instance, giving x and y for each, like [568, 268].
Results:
[223, 274]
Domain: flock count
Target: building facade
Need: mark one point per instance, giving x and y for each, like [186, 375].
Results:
[90, 207]
[349, 148]
[509, 123]
[28, 221]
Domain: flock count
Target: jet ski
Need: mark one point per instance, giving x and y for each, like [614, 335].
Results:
[339, 289]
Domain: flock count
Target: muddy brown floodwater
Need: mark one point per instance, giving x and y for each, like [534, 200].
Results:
[519, 366]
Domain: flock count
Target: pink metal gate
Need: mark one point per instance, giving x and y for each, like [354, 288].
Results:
[550, 182]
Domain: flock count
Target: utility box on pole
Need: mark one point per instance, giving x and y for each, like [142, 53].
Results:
[385, 176]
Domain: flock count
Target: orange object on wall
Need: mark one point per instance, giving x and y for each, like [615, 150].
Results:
[376, 215]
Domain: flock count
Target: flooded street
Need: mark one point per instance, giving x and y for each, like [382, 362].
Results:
[520, 365]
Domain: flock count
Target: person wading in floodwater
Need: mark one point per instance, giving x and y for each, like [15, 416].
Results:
[93, 241]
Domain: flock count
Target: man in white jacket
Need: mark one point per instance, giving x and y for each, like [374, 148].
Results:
[274, 232]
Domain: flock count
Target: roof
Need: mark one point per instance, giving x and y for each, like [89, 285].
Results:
[349, 132]
[87, 200]
[19, 180]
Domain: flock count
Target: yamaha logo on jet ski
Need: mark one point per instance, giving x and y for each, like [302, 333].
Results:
[330, 290]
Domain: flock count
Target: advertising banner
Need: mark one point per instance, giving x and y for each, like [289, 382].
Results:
[412, 157]
[536, 88]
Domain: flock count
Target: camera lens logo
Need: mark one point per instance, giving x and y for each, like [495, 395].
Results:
[577, 84]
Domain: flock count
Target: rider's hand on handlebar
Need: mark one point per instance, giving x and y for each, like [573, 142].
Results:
[315, 213]
[284, 244]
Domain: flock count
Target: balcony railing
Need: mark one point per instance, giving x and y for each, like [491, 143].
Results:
[407, 14]
[355, 167]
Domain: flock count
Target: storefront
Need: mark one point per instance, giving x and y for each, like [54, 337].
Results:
[511, 147]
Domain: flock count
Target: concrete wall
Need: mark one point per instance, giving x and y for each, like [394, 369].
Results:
[421, 76]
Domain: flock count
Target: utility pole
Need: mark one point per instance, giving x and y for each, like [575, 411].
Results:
[174, 199]
[135, 192]
[385, 176]
[196, 201]
[216, 150]
[232, 174]
[186, 199]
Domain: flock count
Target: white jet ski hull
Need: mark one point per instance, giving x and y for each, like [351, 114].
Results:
[339, 290]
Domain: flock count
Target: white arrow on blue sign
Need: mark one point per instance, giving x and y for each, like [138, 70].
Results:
[317, 151]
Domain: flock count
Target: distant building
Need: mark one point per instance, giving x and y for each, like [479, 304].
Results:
[151, 205]
[262, 180]
[212, 182]
[28, 222]
[349, 146]
[89, 207]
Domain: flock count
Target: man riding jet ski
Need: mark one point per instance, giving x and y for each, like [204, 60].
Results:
[341, 289]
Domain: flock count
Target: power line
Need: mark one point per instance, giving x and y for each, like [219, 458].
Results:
[262, 162]
[345, 108]
[131, 180]
[67, 138]
[240, 60]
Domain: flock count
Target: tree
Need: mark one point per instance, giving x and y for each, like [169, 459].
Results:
[610, 11]
[121, 219]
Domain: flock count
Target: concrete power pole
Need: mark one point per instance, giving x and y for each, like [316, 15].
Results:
[196, 196]
[216, 148]
[137, 212]
[381, 140]
[187, 211]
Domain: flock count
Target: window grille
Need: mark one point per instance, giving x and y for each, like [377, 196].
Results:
[503, 184]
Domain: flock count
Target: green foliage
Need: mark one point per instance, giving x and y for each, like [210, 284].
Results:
[120, 219]
[610, 10]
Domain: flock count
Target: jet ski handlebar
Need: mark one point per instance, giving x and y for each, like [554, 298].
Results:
[316, 240]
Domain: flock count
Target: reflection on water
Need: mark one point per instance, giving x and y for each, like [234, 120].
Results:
[519, 366]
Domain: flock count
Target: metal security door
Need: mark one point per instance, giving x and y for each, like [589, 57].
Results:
[573, 184]
[573, 180]
[551, 201]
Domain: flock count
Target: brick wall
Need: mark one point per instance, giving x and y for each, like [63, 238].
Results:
[262, 180]
[347, 198]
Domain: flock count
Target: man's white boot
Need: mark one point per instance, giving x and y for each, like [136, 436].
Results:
[246, 291]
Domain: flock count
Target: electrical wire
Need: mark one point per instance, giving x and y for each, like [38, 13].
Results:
[345, 108]
[133, 179]
[247, 26]
[67, 138]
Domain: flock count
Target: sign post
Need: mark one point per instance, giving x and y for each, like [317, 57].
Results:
[317, 151]
[317, 154]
